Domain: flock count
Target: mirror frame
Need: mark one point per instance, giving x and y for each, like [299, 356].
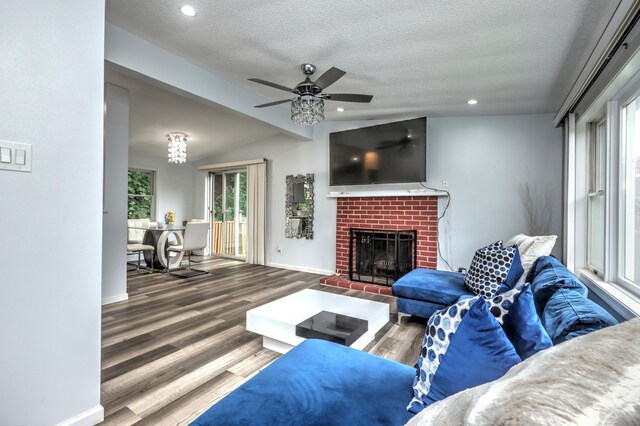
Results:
[305, 228]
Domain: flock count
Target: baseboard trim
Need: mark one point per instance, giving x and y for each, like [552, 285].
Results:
[114, 299]
[300, 268]
[91, 417]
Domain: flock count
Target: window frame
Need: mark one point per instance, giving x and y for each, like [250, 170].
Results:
[627, 97]
[606, 94]
[611, 286]
[594, 187]
[154, 177]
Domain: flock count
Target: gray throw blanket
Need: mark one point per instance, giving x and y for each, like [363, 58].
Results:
[590, 380]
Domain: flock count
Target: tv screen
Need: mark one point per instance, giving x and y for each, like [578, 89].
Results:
[388, 153]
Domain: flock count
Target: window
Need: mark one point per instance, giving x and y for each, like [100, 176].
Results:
[602, 179]
[596, 197]
[630, 192]
[141, 203]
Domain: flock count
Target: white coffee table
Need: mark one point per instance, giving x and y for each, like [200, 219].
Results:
[276, 321]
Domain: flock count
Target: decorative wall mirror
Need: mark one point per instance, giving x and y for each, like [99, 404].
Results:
[299, 206]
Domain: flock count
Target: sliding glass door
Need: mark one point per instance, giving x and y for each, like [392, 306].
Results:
[229, 213]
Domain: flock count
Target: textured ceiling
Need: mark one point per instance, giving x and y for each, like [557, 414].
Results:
[422, 57]
[155, 112]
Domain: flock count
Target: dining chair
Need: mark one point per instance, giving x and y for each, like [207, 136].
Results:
[135, 234]
[139, 248]
[195, 238]
[136, 229]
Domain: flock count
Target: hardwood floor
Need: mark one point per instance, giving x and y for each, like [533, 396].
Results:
[179, 345]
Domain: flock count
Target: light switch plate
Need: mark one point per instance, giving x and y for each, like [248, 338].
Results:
[20, 161]
[5, 155]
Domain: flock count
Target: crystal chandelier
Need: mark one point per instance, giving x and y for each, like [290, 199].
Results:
[177, 148]
[307, 110]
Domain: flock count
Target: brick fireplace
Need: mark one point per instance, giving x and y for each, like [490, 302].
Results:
[415, 212]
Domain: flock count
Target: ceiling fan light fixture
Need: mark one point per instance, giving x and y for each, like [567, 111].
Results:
[177, 148]
[307, 110]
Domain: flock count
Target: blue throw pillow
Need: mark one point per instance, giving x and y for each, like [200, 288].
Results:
[515, 271]
[491, 266]
[516, 312]
[464, 346]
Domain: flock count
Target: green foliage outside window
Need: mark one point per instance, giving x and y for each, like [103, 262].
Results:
[230, 211]
[140, 199]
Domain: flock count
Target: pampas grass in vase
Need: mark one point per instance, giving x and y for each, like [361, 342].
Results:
[537, 201]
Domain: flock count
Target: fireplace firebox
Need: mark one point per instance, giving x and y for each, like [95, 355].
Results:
[381, 256]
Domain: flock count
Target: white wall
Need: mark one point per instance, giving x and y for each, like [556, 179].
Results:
[484, 160]
[51, 86]
[174, 186]
[114, 219]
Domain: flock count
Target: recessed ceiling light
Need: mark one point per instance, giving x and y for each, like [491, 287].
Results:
[355, 158]
[188, 10]
[472, 102]
[340, 109]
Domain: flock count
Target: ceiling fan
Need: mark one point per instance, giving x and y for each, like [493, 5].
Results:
[309, 102]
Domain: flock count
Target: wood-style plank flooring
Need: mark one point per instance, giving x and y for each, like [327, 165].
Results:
[179, 345]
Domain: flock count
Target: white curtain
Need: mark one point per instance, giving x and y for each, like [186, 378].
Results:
[256, 214]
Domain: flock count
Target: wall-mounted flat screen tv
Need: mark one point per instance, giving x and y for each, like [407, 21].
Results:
[387, 153]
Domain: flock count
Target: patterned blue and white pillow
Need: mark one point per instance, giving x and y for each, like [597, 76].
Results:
[441, 327]
[491, 266]
[464, 346]
[500, 304]
[516, 312]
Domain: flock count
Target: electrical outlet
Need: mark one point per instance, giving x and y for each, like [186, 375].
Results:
[445, 184]
[279, 250]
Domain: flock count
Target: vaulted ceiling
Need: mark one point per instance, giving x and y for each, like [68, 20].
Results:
[423, 57]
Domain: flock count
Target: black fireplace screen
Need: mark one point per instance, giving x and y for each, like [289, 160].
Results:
[381, 256]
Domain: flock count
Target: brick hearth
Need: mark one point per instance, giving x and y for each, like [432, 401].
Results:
[344, 282]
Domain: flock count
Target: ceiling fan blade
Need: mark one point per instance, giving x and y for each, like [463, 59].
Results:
[348, 97]
[268, 83]
[272, 103]
[328, 78]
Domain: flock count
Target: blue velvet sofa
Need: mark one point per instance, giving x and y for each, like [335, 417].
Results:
[323, 383]
[320, 383]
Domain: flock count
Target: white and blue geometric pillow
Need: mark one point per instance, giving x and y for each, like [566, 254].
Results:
[441, 327]
[500, 304]
[463, 346]
[516, 312]
[490, 267]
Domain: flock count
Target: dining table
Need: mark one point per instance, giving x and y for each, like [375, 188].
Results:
[161, 239]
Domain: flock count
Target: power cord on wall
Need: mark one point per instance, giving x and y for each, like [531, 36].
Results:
[440, 218]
